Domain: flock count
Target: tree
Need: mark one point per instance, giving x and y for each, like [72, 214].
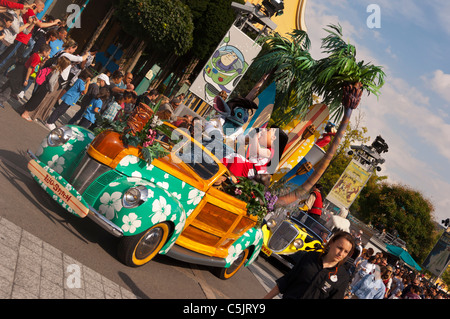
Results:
[287, 61]
[353, 135]
[212, 19]
[166, 24]
[404, 210]
[340, 81]
[446, 276]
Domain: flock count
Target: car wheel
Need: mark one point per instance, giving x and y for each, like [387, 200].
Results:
[227, 273]
[137, 250]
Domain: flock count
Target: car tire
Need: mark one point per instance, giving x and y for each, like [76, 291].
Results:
[227, 273]
[137, 250]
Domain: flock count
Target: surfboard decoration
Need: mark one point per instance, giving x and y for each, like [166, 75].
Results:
[304, 169]
[299, 141]
[265, 101]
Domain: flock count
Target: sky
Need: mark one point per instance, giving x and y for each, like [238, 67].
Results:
[412, 114]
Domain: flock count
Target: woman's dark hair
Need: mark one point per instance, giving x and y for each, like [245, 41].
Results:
[117, 74]
[337, 236]
[51, 33]
[103, 94]
[6, 16]
[319, 187]
[85, 74]
[118, 96]
[128, 94]
[372, 259]
[45, 47]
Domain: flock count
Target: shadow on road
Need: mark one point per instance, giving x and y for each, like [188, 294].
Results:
[132, 285]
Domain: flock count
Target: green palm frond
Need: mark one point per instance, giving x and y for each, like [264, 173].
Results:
[289, 59]
[298, 75]
[340, 67]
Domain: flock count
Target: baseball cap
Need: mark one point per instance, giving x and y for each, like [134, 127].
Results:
[104, 77]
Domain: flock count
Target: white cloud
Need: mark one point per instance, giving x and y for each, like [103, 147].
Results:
[390, 53]
[440, 83]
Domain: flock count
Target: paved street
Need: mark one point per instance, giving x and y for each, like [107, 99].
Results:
[33, 269]
[47, 253]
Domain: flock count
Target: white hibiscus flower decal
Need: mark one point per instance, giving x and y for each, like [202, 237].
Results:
[195, 196]
[161, 210]
[130, 223]
[77, 135]
[67, 147]
[110, 204]
[176, 195]
[57, 163]
[233, 253]
[180, 225]
[129, 159]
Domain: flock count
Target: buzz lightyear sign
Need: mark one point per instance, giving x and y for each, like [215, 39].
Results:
[226, 66]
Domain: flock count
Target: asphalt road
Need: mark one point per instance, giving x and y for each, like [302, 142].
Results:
[25, 204]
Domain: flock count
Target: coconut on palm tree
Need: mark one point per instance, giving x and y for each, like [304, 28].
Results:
[340, 81]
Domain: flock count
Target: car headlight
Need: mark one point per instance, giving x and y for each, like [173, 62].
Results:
[298, 243]
[271, 223]
[59, 136]
[134, 196]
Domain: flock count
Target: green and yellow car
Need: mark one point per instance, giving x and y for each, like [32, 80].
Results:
[168, 206]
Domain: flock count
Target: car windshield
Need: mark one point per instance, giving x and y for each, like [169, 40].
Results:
[190, 153]
[314, 227]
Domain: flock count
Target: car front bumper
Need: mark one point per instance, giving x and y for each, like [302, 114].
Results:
[67, 196]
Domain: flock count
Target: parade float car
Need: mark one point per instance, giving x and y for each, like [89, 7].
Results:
[167, 206]
[285, 234]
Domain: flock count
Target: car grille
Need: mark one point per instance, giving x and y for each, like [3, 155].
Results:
[282, 236]
[91, 177]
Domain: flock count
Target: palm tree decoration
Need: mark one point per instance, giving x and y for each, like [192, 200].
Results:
[288, 63]
[340, 81]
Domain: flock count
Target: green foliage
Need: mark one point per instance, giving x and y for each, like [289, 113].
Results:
[212, 19]
[144, 139]
[153, 151]
[253, 193]
[354, 135]
[164, 23]
[340, 68]
[291, 63]
[103, 124]
[299, 76]
[402, 209]
[446, 276]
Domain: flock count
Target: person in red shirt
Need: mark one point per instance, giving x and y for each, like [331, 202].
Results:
[39, 6]
[14, 5]
[22, 39]
[314, 203]
[34, 61]
[19, 77]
